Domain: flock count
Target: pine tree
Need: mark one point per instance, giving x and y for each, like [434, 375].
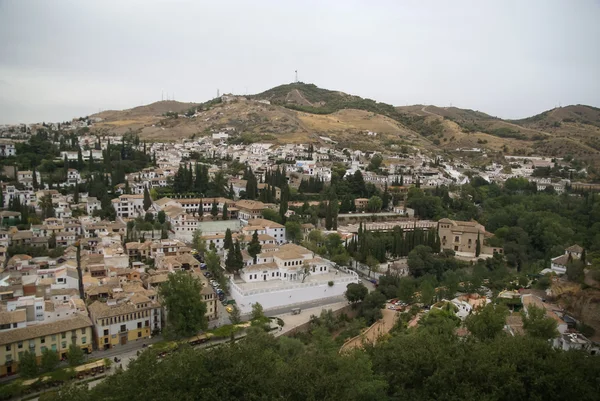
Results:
[254, 246]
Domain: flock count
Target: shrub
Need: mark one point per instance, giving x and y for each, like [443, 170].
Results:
[330, 283]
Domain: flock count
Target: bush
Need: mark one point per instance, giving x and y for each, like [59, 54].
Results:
[330, 283]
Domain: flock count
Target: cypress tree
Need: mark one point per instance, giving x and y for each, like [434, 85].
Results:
[254, 246]
[225, 213]
[477, 246]
[201, 208]
[147, 199]
[228, 241]
[214, 210]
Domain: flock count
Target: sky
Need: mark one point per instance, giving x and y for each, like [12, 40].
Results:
[63, 59]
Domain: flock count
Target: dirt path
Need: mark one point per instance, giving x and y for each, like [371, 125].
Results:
[377, 329]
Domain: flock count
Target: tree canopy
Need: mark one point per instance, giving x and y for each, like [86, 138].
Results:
[185, 308]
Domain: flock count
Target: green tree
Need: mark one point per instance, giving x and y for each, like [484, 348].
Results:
[375, 204]
[50, 360]
[270, 214]
[228, 241]
[537, 324]
[487, 322]
[47, 206]
[478, 246]
[427, 290]
[28, 366]
[257, 312]
[198, 242]
[214, 210]
[293, 231]
[52, 240]
[75, 355]
[76, 194]
[185, 308]
[147, 199]
[356, 292]
[254, 246]
[373, 265]
[440, 321]
[225, 212]
[575, 271]
[162, 217]
[235, 315]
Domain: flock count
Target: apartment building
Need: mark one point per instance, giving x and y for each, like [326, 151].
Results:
[56, 336]
[128, 206]
[123, 320]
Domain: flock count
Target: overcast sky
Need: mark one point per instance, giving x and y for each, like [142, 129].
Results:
[63, 59]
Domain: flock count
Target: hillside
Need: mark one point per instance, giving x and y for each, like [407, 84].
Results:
[300, 112]
[557, 132]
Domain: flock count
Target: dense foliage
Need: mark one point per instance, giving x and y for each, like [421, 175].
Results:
[415, 365]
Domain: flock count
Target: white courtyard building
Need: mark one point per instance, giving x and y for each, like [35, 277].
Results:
[288, 276]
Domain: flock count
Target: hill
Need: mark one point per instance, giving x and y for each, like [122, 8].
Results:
[300, 112]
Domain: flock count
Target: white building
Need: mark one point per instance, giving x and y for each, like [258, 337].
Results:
[128, 206]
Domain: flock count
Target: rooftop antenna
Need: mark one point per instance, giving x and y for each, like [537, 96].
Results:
[296, 71]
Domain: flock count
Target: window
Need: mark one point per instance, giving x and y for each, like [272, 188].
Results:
[20, 345]
[63, 335]
[456, 239]
[53, 337]
[106, 341]
[53, 347]
[105, 332]
[63, 344]
[43, 340]
[139, 325]
[139, 334]
[123, 328]
[83, 340]
[43, 349]
[8, 347]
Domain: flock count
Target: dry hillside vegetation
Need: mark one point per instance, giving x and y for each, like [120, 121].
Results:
[301, 113]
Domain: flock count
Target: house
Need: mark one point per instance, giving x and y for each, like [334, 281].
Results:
[56, 336]
[128, 206]
[249, 209]
[361, 203]
[559, 264]
[123, 320]
[552, 311]
[7, 149]
[263, 226]
[462, 237]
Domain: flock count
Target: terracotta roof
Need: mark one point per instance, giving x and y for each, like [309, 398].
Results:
[574, 248]
[19, 315]
[100, 309]
[44, 329]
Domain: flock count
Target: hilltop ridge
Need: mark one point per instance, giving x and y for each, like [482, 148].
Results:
[303, 112]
